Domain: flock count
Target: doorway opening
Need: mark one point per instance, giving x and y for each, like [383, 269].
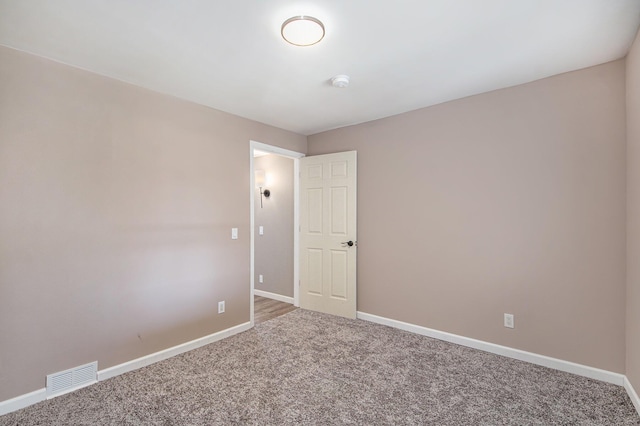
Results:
[274, 229]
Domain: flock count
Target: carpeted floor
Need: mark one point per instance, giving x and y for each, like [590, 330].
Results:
[315, 369]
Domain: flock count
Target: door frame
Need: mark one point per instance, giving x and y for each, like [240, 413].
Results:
[295, 156]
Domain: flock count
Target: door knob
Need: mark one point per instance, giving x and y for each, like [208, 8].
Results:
[349, 243]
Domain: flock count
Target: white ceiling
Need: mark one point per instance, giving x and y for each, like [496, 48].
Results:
[401, 55]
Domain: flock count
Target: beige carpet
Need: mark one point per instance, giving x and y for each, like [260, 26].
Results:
[314, 369]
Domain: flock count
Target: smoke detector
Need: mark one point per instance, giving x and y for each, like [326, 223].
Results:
[340, 81]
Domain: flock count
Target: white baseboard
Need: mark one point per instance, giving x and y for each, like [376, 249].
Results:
[137, 363]
[31, 398]
[545, 361]
[22, 401]
[632, 394]
[281, 298]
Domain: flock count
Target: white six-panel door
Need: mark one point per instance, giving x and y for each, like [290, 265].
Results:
[327, 225]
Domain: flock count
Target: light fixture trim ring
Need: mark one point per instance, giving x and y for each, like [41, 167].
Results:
[302, 18]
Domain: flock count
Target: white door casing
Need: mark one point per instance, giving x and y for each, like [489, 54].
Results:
[327, 223]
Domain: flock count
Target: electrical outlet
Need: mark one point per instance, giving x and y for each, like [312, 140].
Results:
[261, 230]
[221, 307]
[508, 320]
[260, 279]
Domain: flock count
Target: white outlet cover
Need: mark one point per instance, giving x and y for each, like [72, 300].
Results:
[234, 233]
[508, 320]
[260, 278]
[221, 307]
[261, 230]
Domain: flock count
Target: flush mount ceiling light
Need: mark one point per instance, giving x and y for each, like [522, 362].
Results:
[302, 30]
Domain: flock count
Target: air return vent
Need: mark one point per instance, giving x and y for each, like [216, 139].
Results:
[72, 379]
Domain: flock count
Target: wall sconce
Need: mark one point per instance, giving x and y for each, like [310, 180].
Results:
[260, 182]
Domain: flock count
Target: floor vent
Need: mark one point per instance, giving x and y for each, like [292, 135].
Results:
[69, 380]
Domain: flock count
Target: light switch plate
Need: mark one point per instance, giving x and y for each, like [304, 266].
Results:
[234, 233]
[261, 230]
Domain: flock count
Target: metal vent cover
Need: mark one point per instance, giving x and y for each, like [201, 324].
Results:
[69, 380]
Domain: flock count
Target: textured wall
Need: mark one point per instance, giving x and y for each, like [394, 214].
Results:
[510, 201]
[274, 249]
[116, 209]
[633, 215]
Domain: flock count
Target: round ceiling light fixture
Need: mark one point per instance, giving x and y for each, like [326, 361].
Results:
[302, 30]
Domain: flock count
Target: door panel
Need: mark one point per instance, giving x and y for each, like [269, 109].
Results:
[327, 222]
[339, 211]
[314, 206]
[339, 274]
[314, 259]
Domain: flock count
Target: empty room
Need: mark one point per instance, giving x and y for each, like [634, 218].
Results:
[320, 212]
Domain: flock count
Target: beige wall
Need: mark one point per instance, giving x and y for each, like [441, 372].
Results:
[274, 249]
[116, 205]
[510, 201]
[116, 209]
[633, 215]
